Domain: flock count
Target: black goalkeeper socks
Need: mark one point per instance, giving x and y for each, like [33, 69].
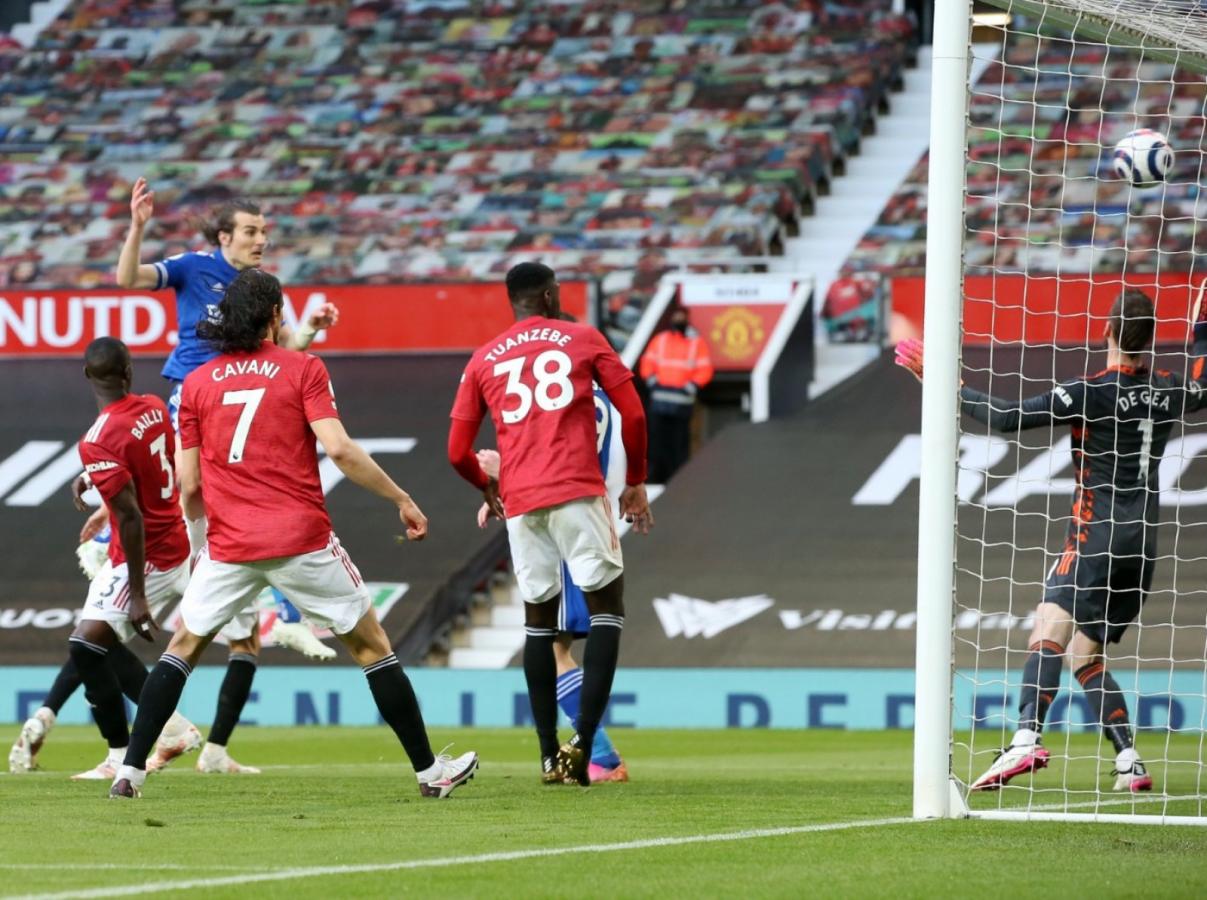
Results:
[599, 668]
[65, 684]
[1041, 683]
[540, 671]
[159, 698]
[102, 690]
[129, 669]
[232, 696]
[398, 705]
[1107, 703]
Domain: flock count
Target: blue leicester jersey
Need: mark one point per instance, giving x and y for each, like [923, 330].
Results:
[573, 616]
[199, 280]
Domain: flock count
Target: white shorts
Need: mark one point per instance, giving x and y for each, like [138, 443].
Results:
[242, 626]
[109, 595]
[324, 584]
[580, 532]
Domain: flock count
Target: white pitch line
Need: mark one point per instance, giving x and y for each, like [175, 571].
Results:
[446, 861]
[1091, 804]
[148, 867]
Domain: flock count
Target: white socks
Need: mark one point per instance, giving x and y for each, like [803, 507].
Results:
[137, 777]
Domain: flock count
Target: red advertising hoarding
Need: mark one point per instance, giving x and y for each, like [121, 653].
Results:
[1062, 310]
[373, 318]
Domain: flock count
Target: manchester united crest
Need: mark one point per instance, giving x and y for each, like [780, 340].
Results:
[737, 333]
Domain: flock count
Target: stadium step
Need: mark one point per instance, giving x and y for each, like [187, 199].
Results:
[509, 616]
[468, 658]
[491, 638]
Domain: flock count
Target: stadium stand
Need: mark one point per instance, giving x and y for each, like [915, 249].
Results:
[439, 140]
[1057, 205]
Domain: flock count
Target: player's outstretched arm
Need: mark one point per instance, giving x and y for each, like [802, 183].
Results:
[130, 273]
[1061, 404]
[133, 538]
[359, 467]
[326, 317]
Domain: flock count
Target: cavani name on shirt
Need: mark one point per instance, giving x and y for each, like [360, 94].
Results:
[245, 367]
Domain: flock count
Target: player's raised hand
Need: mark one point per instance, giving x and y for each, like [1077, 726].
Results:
[635, 508]
[490, 461]
[414, 520]
[142, 203]
[909, 356]
[327, 316]
[140, 617]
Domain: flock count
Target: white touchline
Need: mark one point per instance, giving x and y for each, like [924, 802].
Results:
[441, 862]
[146, 867]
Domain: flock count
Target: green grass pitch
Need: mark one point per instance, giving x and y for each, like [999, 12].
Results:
[332, 798]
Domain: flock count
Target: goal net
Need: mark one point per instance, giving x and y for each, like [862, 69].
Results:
[1050, 236]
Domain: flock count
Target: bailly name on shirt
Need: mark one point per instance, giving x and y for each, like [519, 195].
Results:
[548, 335]
[145, 421]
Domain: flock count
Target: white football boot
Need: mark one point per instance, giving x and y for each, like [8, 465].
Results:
[1017, 759]
[179, 736]
[23, 757]
[1130, 774]
[106, 770]
[214, 760]
[298, 636]
[447, 774]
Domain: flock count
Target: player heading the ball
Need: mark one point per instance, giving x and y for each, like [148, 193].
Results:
[242, 414]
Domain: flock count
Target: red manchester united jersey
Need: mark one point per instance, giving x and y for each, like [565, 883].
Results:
[132, 441]
[250, 414]
[536, 380]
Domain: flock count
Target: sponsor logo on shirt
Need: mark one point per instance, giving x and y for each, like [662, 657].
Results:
[100, 466]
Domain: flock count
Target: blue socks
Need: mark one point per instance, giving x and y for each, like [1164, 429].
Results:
[569, 696]
[286, 611]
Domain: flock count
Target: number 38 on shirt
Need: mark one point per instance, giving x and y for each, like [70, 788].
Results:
[553, 390]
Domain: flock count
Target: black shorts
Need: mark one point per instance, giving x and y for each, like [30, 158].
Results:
[1103, 576]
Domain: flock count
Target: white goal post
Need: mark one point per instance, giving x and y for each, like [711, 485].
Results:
[1160, 33]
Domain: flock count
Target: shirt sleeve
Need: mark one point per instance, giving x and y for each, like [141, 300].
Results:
[318, 393]
[610, 371]
[172, 272]
[1063, 404]
[188, 424]
[106, 469]
[469, 403]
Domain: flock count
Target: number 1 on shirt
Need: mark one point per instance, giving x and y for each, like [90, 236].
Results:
[250, 401]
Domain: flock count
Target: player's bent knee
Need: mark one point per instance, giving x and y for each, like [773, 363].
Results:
[249, 645]
[607, 600]
[95, 632]
[367, 641]
[188, 646]
[543, 614]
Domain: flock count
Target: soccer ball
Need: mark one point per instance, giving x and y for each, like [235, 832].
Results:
[1143, 157]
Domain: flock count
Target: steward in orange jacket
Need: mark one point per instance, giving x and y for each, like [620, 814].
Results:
[674, 366]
